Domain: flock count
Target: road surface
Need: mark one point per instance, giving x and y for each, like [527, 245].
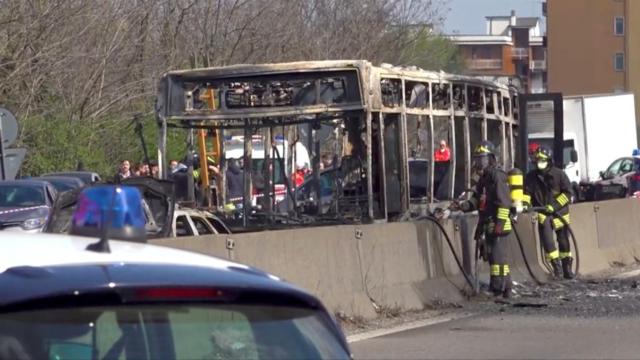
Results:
[595, 319]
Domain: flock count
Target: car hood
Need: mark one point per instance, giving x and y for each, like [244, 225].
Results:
[158, 195]
[15, 216]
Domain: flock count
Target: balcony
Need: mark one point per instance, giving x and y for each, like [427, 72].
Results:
[538, 65]
[520, 53]
[484, 64]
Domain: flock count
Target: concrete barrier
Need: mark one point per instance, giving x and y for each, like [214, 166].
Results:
[360, 270]
[368, 269]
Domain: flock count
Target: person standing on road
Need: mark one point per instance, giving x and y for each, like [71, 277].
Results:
[549, 187]
[491, 197]
[124, 172]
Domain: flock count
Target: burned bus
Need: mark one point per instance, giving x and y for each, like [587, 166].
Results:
[362, 140]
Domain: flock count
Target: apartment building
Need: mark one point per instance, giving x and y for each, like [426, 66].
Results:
[512, 49]
[594, 46]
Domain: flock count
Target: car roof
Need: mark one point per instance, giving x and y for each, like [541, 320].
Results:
[19, 249]
[40, 266]
[59, 177]
[27, 182]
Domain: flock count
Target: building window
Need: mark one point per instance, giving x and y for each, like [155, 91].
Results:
[618, 26]
[619, 62]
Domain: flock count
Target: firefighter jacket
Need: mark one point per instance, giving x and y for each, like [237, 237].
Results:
[552, 190]
[493, 201]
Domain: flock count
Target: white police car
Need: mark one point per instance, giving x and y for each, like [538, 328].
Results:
[76, 297]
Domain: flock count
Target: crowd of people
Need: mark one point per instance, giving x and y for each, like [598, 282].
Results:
[142, 169]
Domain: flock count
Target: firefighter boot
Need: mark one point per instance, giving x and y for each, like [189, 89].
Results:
[566, 268]
[508, 284]
[557, 268]
[496, 283]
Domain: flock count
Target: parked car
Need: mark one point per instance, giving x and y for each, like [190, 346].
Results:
[62, 183]
[194, 222]
[25, 205]
[621, 179]
[158, 204]
[88, 177]
[63, 297]
[163, 218]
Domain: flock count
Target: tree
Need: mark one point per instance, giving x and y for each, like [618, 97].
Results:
[76, 71]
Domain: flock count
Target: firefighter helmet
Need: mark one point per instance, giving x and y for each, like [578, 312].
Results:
[485, 148]
[542, 153]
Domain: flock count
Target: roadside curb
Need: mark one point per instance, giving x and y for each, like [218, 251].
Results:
[408, 326]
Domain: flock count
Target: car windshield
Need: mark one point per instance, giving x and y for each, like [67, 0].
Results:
[169, 332]
[61, 185]
[13, 195]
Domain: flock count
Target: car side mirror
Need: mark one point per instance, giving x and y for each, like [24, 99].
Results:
[574, 155]
[602, 174]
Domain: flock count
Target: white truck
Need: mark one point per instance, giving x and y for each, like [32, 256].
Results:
[598, 129]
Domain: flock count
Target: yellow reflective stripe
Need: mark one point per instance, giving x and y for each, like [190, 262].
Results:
[565, 254]
[515, 180]
[482, 150]
[517, 194]
[495, 270]
[507, 226]
[562, 199]
[503, 213]
[526, 198]
[557, 223]
[505, 270]
[541, 218]
[567, 218]
[553, 255]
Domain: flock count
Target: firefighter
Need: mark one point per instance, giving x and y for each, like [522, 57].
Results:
[549, 187]
[491, 197]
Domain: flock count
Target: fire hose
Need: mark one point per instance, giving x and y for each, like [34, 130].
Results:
[434, 219]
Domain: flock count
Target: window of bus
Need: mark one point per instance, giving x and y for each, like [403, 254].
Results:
[460, 181]
[475, 135]
[391, 92]
[474, 96]
[442, 170]
[508, 148]
[458, 97]
[419, 146]
[416, 94]
[488, 94]
[506, 104]
[441, 97]
[495, 135]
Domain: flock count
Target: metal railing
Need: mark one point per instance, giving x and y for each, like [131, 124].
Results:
[520, 53]
[539, 65]
[484, 64]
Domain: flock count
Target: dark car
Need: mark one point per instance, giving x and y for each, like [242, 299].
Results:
[62, 183]
[88, 177]
[25, 204]
[159, 205]
[621, 179]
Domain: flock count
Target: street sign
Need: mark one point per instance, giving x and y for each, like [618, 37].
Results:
[9, 127]
[13, 161]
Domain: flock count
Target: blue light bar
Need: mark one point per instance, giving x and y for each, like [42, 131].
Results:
[112, 210]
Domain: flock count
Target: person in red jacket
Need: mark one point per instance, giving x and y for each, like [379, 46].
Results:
[443, 153]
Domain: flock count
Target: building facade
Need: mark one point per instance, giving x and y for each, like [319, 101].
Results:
[512, 50]
[594, 46]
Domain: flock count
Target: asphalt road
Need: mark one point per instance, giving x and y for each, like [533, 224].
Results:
[595, 319]
[511, 336]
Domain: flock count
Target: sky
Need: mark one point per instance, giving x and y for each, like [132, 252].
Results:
[467, 17]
